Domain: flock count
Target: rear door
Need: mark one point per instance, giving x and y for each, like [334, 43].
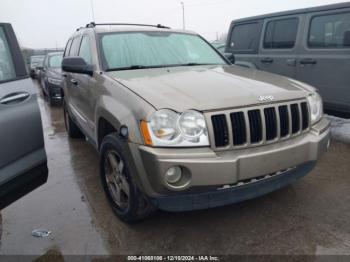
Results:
[278, 45]
[325, 56]
[22, 155]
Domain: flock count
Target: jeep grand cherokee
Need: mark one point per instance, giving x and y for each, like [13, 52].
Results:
[178, 127]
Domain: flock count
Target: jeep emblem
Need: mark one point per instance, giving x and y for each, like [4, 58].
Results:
[265, 98]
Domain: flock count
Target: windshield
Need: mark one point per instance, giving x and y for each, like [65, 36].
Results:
[55, 61]
[135, 50]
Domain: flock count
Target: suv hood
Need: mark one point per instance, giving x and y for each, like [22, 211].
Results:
[206, 88]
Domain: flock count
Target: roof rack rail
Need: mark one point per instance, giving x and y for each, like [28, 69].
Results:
[93, 24]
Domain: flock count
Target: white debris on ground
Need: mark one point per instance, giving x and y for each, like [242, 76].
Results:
[340, 128]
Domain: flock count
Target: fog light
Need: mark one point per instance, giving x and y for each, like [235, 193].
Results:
[173, 174]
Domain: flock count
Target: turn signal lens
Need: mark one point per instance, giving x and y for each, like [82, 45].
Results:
[146, 134]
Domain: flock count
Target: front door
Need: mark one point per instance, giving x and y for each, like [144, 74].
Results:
[278, 47]
[22, 154]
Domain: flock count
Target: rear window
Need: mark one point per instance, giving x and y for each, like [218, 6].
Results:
[245, 37]
[7, 69]
[330, 31]
[281, 34]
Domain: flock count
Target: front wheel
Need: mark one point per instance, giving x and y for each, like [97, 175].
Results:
[126, 200]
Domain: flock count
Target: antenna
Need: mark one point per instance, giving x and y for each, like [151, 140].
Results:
[92, 10]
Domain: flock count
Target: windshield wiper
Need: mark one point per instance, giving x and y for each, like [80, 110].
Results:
[196, 64]
[136, 67]
[133, 67]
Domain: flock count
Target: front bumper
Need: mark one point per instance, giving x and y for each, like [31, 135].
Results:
[209, 170]
[232, 195]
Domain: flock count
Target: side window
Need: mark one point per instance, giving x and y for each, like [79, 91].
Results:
[7, 69]
[245, 37]
[85, 51]
[66, 50]
[330, 31]
[75, 46]
[281, 34]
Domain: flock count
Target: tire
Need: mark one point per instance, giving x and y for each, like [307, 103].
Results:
[72, 129]
[132, 205]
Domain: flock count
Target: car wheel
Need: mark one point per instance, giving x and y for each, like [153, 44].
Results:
[72, 129]
[126, 200]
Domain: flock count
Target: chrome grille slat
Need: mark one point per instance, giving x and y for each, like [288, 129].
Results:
[259, 125]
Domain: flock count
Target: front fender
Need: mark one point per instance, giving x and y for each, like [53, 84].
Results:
[119, 114]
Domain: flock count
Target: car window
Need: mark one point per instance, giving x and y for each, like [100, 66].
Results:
[7, 69]
[281, 33]
[36, 61]
[121, 50]
[66, 50]
[85, 51]
[55, 61]
[245, 37]
[330, 31]
[75, 46]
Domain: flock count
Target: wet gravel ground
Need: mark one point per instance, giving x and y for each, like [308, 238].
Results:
[309, 217]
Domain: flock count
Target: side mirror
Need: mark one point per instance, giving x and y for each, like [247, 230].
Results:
[76, 65]
[346, 39]
[230, 57]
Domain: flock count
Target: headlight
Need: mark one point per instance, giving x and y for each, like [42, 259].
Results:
[167, 128]
[316, 107]
[54, 81]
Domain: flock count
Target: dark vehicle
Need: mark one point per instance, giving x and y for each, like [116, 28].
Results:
[51, 77]
[23, 162]
[220, 46]
[311, 45]
[36, 62]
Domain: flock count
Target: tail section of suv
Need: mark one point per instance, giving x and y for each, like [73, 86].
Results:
[310, 45]
[177, 127]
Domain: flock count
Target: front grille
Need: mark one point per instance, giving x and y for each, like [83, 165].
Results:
[284, 122]
[294, 109]
[305, 115]
[238, 128]
[270, 123]
[255, 126]
[220, 130]
[260, 125]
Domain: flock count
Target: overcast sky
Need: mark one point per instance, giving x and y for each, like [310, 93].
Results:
[49, 23]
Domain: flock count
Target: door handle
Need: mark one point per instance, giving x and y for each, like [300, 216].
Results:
[14, 98]
[64, 74]
[74, 82]
[267, 60]
[308, 61]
